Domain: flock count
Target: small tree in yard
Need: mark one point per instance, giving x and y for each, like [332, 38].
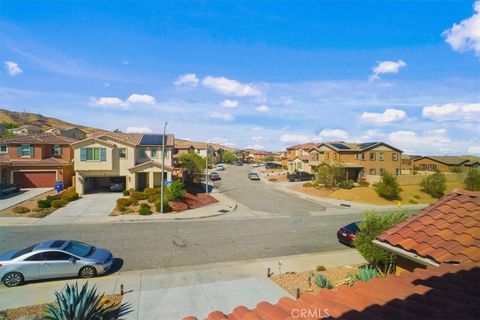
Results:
[388, 187]
[270, 158]
[331, 175]
[472, 180]
[192, 164]
[434, 185]
[371, 226]
[229, 157]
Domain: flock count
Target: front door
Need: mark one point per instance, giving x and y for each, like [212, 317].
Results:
[142, 180]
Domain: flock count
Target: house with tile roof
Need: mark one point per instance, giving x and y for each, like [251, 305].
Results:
[39, 160]
[133, 159]
[73, 132]
[446, 163]
[447, 231]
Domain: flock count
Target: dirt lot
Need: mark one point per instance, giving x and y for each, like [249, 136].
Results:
[368, 194]
[30, 204]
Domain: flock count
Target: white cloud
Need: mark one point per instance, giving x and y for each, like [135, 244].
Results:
[222, 115]
[370, 135]
[229, 104]
[262, 108]
[421, 143]
[258, 138]
[386, 67]
[136, 98]
[138, 130]
[388, 116]
[188, 79]
[12, 68]
[110, 102]
[334, 134]
[222, 141]
[255, 146]
[230, 87]
[452, 111]
[474, 149]
[294, 138]
[465, 36]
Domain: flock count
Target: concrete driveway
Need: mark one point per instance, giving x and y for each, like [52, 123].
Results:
[24, 194]
[91, 208]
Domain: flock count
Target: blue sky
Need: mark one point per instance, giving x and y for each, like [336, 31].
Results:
[252, 74]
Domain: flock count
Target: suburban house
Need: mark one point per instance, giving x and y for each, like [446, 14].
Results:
[74, 132]
[24, 130]
[447, 231]
[35, 161]
[215, 152]
[445, 163]
[258, 155]
[298, 157]
[133, 159]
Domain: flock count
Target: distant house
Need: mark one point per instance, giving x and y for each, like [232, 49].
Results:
[24, 130]
[214, 151]
[443, 163]
[74, 132]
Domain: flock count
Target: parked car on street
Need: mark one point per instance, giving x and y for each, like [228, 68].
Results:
[214, 176]
[300, 176]
[256, 165]
[239, 163]
[219, 168]
[253, 176]
[7, 188]
[347, 234]
[271, 165]
[53, 259]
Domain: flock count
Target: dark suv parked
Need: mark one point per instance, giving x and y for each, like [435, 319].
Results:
[271, 165]
[300, 176]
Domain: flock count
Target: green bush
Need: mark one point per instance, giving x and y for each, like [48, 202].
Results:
[58, 203]
[151, 191]
[388, 187]
[158, 206]
[176, 191]
[123, 204]
[69, 195]
[456, 169]
[323, 282]
[43, 204]
[412, 201]
[371, 226]
[363, 183]
[126, 193]
[308, 184]
[416, 196]
[153, 198]
[137, 196]
[472, 180]
[346, 184]
[21, 209]
[144, 210]
[434, 185]
[321, 268]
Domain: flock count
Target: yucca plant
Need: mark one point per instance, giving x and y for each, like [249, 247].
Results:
[323, 282]
[75, 304]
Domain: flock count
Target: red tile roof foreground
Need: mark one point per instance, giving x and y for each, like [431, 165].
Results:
[447, 230]
[445, 292]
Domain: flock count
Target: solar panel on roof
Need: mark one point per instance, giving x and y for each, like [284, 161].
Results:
[152, 140]
[340, 146]
[366, 144]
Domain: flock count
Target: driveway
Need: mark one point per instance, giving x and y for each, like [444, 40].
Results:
[91, 208]
[24, 194]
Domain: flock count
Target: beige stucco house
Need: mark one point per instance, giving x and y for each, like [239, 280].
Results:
[130, 158]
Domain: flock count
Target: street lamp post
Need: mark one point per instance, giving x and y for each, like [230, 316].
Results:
[206, 172]
[163, 166]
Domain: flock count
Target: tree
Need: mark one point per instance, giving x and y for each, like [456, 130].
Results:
[229, 157]
[434, 185]
[331, 175]
[192, 165]
[388, 187]
[10, 125]
[270, 158]
[472, 180]
[371, 226]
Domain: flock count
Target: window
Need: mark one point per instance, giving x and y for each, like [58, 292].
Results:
[432, 167]
[142, 153]
[57, 150]
[372, 156]
[381, 171]
[398, 172]
[3, 149]
[35, 257]
[56, 256]
[93, 154]
[122, 153]
[299, 165]
[394, 156]
[327, 156]
[334, 156]
[25, 150]
[313, 156]
[364, 156]
[356, 156]
[79, 249]
[153, 152]
[372, 172]
[381, 156]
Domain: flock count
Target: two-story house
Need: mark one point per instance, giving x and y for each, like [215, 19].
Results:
[131, 158]
[35, 161]
[298, 157]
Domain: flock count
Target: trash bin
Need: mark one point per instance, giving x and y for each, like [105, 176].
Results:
[59, 186]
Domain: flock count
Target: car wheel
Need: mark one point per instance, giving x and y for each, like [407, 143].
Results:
[12, 279]
[87, 272]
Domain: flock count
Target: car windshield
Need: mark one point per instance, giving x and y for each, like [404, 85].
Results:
[353, 227]
[79, 249]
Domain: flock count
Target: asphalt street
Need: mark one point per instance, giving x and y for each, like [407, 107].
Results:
[288, 229]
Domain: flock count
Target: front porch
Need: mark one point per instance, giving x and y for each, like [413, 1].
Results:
[149, 175]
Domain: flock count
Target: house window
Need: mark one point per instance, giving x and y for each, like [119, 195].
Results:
[25, 150]
[153, 152]
[372, 172]
[3, 149]
[122, 153]
[398, 172]
[394, 156]
[313, 156]
[327, 156]
[93, 154]
[381, 171]
[334, 156]
[299, 165]
[364, 156]
[57, 150]
[381, 156]
[432, 167]
[142, 153]
[356, 156]
[372, 156]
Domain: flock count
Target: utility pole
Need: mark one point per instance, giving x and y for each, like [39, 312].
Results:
[206, 171]
[163, 166]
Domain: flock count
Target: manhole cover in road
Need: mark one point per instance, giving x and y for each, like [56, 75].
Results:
[179, 242]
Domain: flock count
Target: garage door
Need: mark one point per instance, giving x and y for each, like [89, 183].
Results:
[34, 179]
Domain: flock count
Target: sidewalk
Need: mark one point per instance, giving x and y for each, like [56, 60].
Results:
[173, 293]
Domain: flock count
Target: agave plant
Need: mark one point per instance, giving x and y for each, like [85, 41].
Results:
[367, 273]
[75, 304]
[323, 282]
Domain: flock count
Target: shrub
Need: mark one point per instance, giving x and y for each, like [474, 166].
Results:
[367, 273]
[176, 191]
[363, 183]
[434, 185]
[21, 209]
[137, 195]
[272, 179]
[416, 196]
[308, 184]
[323, 282]
[58, 203]
[153, 198]
[472, 180]
[371, 226]
[43, 204]
[388, 187]
[321, 268]
[412, 201]
[158, 206]
[456, 169]
[123, 204]
[144, 210]
[69, 195]
[346, 184]
[151, 191]
[126, 193]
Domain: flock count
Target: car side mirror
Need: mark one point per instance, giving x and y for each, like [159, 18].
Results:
[72, 260]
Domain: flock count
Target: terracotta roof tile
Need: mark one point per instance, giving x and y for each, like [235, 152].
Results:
[42, 138]
[448, 228]
[448, 291]
[38, 162]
